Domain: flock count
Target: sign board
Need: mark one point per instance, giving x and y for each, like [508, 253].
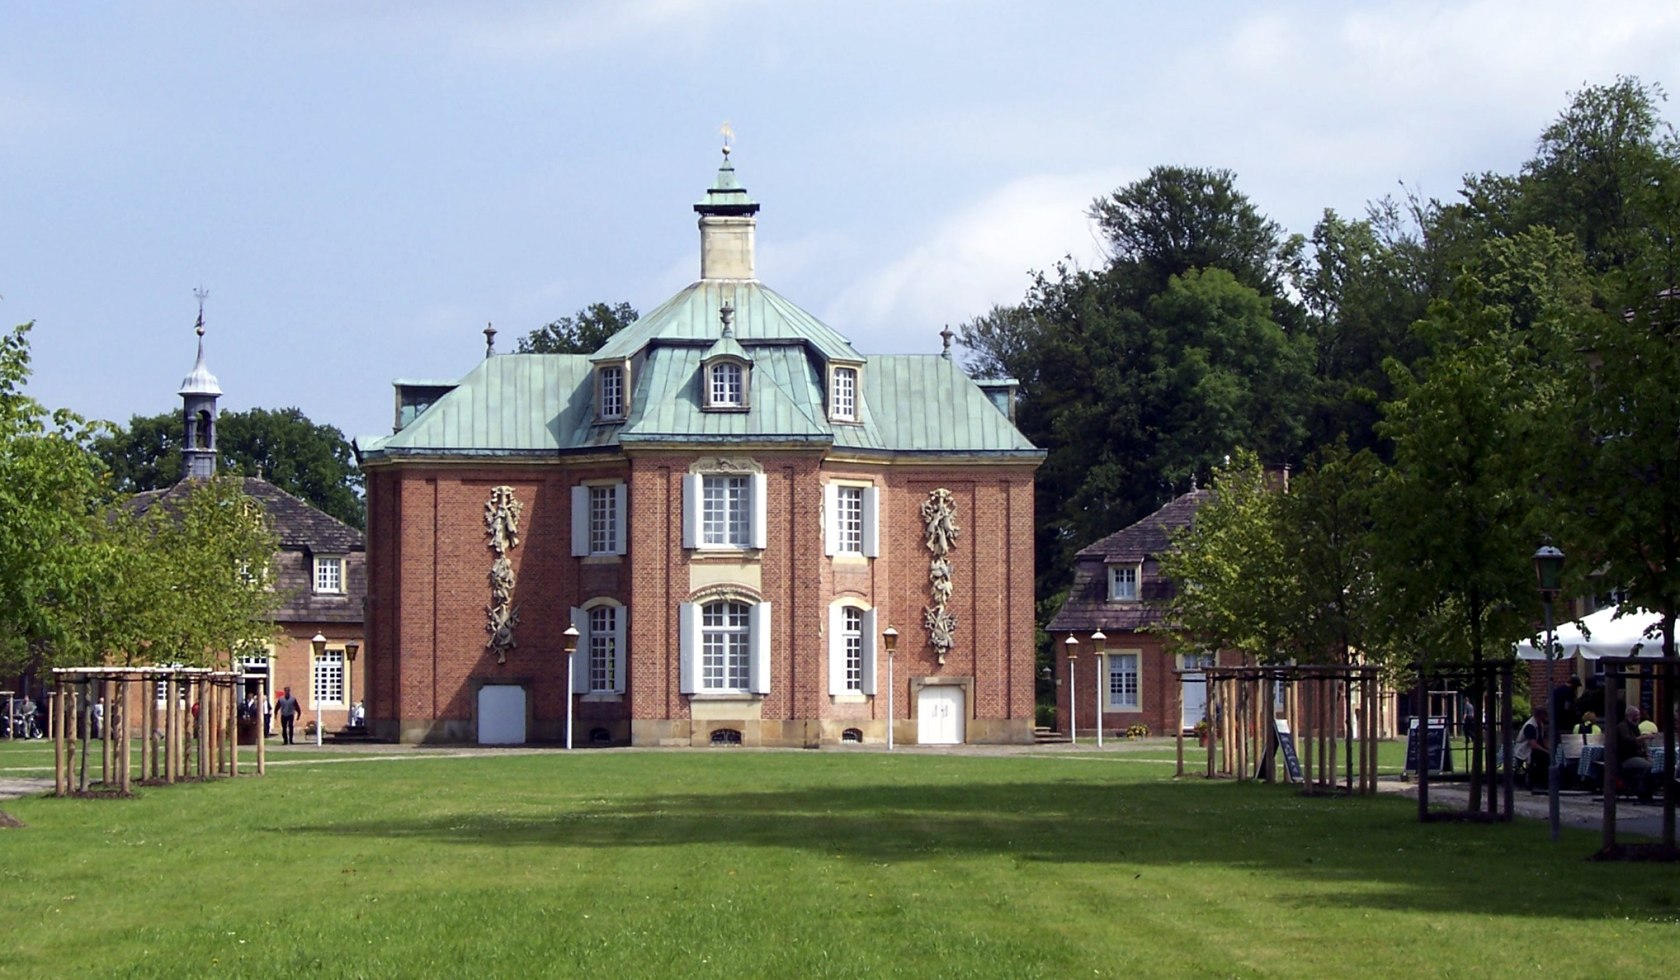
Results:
[1286, 741]
[1438, 749]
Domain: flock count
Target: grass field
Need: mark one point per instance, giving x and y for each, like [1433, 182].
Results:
[832, 863]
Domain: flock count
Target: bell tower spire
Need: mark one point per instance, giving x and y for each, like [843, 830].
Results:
[199, 391]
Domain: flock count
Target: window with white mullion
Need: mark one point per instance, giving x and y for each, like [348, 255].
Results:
[1123, 681]
[603, 653]
[329, 574]
[725, 511]
[725, 647]
[1123, 582]
[726, 383]
[851, 634]
[328, 678]
[844, 401]
[612, 392]
[603, 520]
[849, 519]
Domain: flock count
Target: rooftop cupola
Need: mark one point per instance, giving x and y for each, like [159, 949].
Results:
[726, 227]
[199, 391]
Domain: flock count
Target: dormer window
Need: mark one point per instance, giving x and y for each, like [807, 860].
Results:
[610, 392]
[726, 385]
[1123, 581]
[842, 394]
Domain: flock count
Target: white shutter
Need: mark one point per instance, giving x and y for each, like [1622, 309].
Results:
[760, 532]
[869, 651]
[836, 649]
[691, 510]
[621, 629]
[759, 623]
[831, 518]
[580, 660]
[688, 647]
[621, 521]
[580, 522]
[871, 524]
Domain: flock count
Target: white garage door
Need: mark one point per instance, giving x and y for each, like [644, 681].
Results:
[501, 714]
[939, 715]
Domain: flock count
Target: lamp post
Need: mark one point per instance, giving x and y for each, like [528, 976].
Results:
[1072, 645]
[1548, 572]
[317, 644]
[889, 639]
[351, 648]
[1099, 644]
[571, 645]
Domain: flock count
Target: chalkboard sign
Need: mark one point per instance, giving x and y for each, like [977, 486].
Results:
[1286, 741]
[1439, 751]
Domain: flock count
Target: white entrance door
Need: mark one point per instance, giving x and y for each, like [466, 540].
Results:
[939, 715]
[501, 714]
[1195, 688]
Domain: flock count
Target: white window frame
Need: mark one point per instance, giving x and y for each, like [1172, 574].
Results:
[321, 675]
[744, 528]
[693, 631]
[1118, 695]
[838, 541]
[612, 391]
[600, 654]
[843, 386]
[1117, 580]
[726, 384]
[591, 504]
[851, 649]
[329, 582]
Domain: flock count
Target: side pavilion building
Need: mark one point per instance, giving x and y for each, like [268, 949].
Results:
[761, 535]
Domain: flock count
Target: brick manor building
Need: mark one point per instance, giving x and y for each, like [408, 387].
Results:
[738, 512]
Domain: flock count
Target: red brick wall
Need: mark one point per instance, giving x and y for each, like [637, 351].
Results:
[429, 565]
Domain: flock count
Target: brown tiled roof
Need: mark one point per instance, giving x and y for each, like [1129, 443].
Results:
[304, 531]
[300, 525]
[1088, 608]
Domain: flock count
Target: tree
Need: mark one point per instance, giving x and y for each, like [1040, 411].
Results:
[1234, 583]
[51, 490]
[309, 461]
[584, 333]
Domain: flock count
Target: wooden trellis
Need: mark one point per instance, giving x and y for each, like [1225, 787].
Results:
[151, 706]
[1329, 714]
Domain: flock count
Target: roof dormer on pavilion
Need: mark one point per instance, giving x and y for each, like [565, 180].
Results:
[726, 370]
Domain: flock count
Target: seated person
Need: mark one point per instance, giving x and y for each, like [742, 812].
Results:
[1588, 725]
[1633, 756]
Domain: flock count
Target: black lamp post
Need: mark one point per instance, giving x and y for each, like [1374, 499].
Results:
[1548, 573]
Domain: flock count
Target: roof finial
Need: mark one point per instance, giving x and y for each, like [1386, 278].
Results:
[489, 339]
[726, 313]
[201, 293]
[728, 135]
[946, 336]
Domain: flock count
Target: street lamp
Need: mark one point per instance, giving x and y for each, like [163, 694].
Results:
[351, 648]
[318, 644]
[889, 639]
[1548, 572]
[1099, 643]
[570, 648]
[1072, 644]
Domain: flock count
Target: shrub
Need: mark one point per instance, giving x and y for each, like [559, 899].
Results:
[1138, 731]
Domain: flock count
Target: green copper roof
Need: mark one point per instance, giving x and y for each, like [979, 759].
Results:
[761, 314]
[726, 195]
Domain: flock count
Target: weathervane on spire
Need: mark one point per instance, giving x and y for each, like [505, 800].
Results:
[728, 136]
[201, 293]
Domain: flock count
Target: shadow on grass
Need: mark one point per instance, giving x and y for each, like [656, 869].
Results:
[1371, 845]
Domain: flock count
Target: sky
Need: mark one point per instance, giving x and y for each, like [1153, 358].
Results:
[361, 186]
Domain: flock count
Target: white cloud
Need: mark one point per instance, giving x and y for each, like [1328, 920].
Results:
[973, 259]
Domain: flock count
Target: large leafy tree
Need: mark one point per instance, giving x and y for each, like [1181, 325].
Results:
[582, 333]
[309, 461]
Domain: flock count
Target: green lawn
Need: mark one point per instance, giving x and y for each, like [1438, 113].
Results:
[831, 863]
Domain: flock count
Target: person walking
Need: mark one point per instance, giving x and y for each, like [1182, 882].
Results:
[288, 709]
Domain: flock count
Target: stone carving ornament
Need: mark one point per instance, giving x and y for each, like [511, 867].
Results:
[501, 527]
[939, 518]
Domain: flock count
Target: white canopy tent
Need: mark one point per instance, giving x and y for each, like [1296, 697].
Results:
[1613, 632]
